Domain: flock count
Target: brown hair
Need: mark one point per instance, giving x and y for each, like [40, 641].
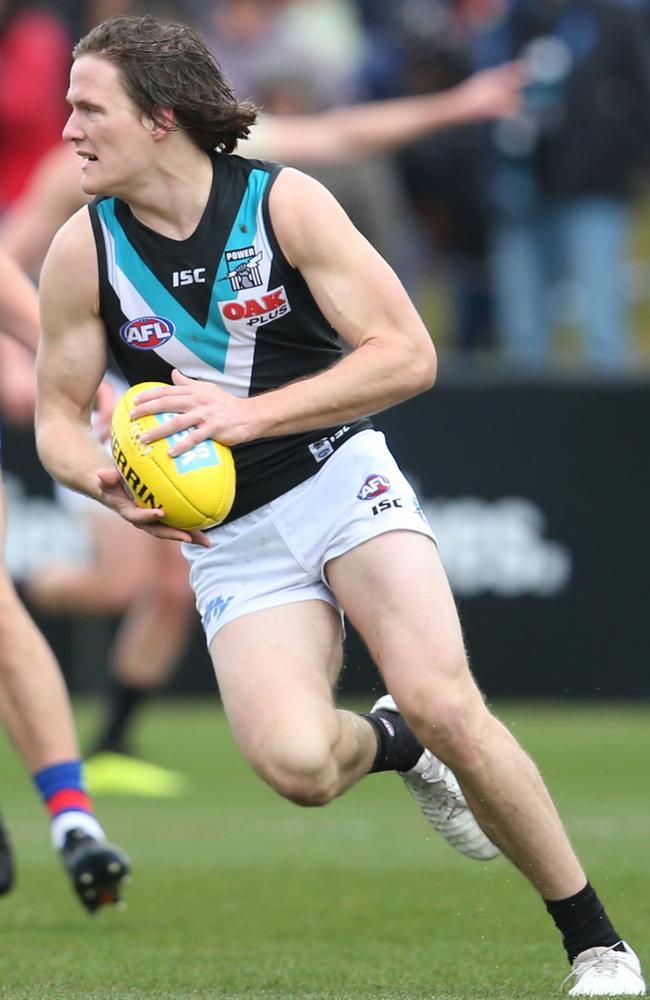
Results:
[167, 65]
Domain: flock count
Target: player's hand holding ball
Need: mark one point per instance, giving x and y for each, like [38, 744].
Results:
[195, 488]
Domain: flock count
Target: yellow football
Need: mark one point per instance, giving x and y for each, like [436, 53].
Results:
[196, 489]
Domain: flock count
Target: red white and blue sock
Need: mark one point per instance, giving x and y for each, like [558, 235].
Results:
[62, 790]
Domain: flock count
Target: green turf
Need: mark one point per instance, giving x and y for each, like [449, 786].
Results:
[239, 894]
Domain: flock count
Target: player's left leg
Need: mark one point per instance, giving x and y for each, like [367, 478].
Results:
[36, 711]
[395, 591]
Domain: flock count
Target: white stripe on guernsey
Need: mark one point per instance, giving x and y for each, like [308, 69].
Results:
[241, 345]
[133, 305]
[66, 821]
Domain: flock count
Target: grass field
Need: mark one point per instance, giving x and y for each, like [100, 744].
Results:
[239, 894]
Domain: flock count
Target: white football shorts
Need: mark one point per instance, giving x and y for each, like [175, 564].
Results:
[278, 554]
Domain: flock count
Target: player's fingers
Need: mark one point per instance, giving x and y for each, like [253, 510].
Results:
[171, 534]
[108, 478]
[158, 396]
[199, 538]
[186, 442]
[175, 425]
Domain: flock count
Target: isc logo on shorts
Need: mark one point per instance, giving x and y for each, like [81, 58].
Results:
[374, 486]
[147, 332]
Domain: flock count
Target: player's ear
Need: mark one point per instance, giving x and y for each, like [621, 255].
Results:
[161, 122]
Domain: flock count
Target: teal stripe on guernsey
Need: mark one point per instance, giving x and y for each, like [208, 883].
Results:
[209, 343]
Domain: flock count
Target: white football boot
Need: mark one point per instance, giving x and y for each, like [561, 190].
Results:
[604, 972]
[438, 794]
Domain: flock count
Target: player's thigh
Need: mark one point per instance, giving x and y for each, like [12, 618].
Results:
[276, 669]
[395, 592]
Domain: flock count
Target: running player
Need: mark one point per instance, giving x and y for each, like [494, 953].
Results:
[324, 521]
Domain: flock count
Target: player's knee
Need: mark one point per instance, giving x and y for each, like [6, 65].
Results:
[307, 777]
[453, 726]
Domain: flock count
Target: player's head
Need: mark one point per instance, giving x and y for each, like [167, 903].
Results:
[167, 67]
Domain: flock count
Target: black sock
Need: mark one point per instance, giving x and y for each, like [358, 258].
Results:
[398, 749]
[582, 922]
[123, 702]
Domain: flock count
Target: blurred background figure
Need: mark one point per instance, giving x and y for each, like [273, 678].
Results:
[560, 178]
[417, 46]
[34, 63]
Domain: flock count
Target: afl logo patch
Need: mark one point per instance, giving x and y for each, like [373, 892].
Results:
[373, 487]
[147, 332]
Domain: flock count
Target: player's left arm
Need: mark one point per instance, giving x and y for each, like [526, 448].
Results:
[392, 356]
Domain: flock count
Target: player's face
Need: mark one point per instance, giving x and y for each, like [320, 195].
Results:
[106, 128]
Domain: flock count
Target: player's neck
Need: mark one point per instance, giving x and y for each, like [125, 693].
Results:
[172, 201]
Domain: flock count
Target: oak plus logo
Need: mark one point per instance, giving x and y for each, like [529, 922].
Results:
[256, 311]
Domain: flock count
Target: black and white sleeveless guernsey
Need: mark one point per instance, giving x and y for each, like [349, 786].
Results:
[225, 306]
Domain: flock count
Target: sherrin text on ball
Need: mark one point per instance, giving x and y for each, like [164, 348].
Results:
[196, 489]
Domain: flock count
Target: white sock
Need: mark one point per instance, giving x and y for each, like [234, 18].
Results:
[74, 821]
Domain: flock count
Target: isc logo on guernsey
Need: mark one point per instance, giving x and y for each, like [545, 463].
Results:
[147, 332]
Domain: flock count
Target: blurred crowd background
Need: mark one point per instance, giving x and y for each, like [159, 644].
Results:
[524, 242]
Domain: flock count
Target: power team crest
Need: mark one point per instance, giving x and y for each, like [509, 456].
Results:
[244, 274]
[243, 268]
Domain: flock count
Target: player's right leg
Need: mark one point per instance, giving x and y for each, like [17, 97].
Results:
[276, 669]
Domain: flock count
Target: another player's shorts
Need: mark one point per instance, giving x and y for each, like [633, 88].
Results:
[278, 554]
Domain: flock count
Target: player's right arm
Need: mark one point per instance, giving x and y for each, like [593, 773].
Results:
[70, 365]
[71, 359]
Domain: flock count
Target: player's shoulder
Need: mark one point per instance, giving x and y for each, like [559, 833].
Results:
[301, 207]
[294, 190]
[297, 202]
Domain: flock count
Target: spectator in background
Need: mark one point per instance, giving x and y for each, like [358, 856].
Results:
[560, 176]
[34, 63]
[258, 40]
[300, 59]
[424, 45]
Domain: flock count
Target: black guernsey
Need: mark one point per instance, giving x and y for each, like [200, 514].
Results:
[223, 305]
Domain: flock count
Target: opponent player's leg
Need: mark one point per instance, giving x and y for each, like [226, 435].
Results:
[395, 591]
[146, 649]
[7, 867]
[36, 712]
[276, 669]
[108, 582]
